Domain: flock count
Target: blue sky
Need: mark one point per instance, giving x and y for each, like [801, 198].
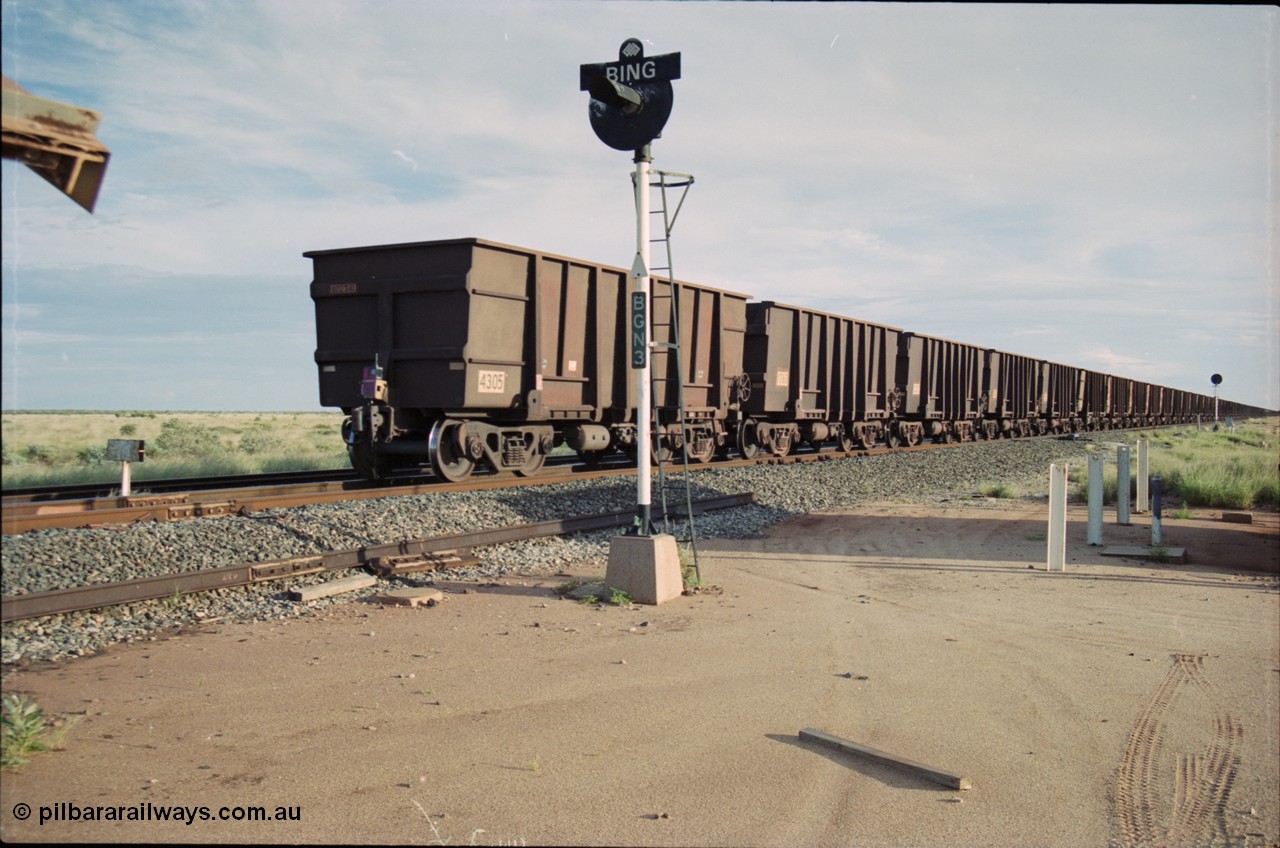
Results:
[1089, 184]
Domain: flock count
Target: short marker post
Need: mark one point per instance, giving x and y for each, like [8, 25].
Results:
[1057, 554]
[1122, 485]
[1141, 505]
[1095, 499]
[1155, 510]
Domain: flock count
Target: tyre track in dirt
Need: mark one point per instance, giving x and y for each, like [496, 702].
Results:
[1201, 781]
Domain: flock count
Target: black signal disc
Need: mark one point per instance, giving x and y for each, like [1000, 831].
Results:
[632, 132]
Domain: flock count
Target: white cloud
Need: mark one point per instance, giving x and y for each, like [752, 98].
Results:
[956, 169]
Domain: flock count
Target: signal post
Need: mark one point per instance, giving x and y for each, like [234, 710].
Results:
[630, 102]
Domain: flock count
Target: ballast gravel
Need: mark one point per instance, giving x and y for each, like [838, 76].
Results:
[51, 559]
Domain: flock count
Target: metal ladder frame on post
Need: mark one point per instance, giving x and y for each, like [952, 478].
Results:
[682, 181]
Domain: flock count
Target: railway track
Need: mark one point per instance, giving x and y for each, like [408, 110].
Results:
[44, 509]
[41, 509]
[94, 491]
[387, 560]
[37, 563]
[179, 500]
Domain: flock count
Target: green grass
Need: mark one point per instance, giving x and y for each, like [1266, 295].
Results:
[23, 725]
[24, 731]
[997, 490]
[50, 448]
[689, 571]
[606, 594]
[1219, 470]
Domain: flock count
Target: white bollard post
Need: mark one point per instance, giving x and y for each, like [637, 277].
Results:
[1095, 499]
[1122, 485]
[126, 480]
[1057, 554]
[1141, 505]
[1155, 511]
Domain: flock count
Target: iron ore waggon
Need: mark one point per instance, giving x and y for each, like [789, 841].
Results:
[941, 385]
[469, 353]
[815, 377]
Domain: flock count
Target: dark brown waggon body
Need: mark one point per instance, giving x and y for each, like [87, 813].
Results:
[941, 383]
[471, 352]
[467, 353]
[815, 377]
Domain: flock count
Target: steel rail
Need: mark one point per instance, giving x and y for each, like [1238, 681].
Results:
[90, 491]
[379, 557]
[81, 492]
[180, 506]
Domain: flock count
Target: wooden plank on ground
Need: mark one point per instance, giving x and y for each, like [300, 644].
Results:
[953, 781]
[333, 587]
[1142, 552]
[411, 596]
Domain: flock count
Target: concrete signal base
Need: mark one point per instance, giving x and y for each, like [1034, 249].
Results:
[646, 567]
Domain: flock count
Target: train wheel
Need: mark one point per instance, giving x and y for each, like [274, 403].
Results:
[540, 446]
[661, 452]
[748, 445]
[700, 444]
[532, 466]
[446, 459]
[846, 441]
[367, 463]
[707, 451]
[658, 454]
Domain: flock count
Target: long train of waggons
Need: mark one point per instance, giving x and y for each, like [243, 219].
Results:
[469, 353]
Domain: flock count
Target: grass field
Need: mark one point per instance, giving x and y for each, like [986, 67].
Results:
[46, 448]
[1227, 470]
[1202, 467]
